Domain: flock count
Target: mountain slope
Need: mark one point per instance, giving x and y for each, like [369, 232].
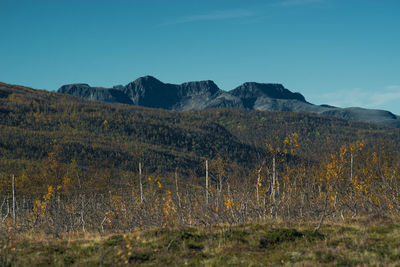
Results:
[147, 91]
[33, 122]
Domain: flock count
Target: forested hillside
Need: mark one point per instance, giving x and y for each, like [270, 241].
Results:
[96, 135]
[78, 159]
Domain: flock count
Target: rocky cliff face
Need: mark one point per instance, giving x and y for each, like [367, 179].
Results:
[96, 93]
[148, 91]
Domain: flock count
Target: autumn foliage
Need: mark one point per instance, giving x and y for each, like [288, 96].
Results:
[76, 163]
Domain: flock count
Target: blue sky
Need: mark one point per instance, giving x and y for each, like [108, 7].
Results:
[339, 52]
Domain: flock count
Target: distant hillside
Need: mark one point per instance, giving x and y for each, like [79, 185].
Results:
[98, 136]
[149, 92]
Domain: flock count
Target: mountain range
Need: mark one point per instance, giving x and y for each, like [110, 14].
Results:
[150, 92]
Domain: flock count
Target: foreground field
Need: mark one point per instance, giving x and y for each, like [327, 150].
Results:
[360, 242]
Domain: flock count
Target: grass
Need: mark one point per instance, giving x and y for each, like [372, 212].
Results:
[359, 242]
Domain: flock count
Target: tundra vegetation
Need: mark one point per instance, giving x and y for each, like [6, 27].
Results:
[93, 183]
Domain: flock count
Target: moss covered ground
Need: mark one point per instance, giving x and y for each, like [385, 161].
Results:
[371, 242]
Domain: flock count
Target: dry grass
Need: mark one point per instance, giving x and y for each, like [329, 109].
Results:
[365, 241]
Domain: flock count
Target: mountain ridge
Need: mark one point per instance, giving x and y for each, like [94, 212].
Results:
[148, 91]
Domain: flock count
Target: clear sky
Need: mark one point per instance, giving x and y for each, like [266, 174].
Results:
[339, 52]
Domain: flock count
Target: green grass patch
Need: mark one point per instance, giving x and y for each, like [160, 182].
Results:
[245, 245]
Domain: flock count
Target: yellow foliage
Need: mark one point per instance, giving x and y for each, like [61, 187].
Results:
[229, 204]
[292, 141]
[168, 208]
[50, 193]
[39, 207]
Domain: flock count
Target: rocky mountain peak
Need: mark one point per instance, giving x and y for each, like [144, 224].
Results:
[271, 90]
[199, 87]
[73, 87]
[144, 83]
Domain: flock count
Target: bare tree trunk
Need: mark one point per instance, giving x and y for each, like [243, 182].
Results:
[102, 223]
[8, 206]
[24, 208]
[82, 214]
[351, 167]
[323, 214]
[190, 210]
[273, 187]
[207, 194]
[220, 185]
[13, 198]
[177, 189]
[258, 186]
[1, 207]
[140, 182]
